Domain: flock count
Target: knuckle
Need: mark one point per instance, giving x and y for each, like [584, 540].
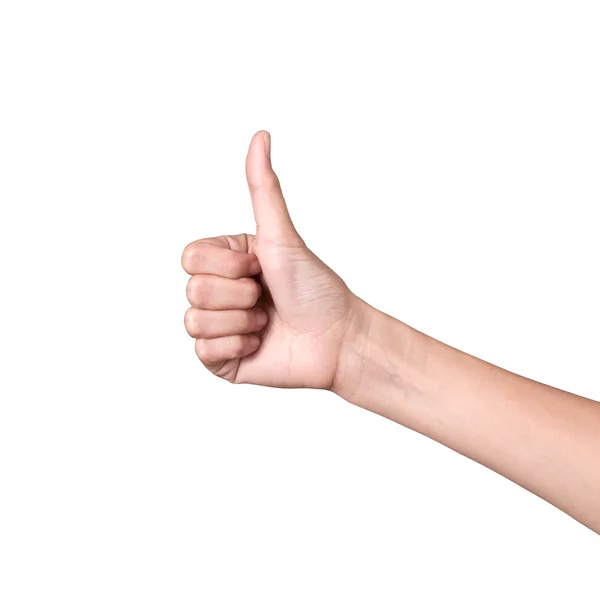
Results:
[269, 182]
[196, 256]
[190, 289]
[188, 320]
[203, 350]
[188, 256]
[196, 322]
[198, 291]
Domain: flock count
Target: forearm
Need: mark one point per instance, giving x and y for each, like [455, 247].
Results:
[542, 438]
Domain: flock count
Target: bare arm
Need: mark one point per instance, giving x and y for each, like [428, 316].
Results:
[265, 310]
[542, 438]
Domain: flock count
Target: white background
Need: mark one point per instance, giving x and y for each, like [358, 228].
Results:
[441, 156]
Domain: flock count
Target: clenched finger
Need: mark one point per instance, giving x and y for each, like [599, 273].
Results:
[214, 351]
[219, 323]
[202, 257]
[219, 293]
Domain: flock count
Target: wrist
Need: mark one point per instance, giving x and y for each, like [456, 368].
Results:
[352, 353]
[380, 358]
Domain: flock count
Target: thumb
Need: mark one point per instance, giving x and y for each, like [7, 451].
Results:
[270, 211]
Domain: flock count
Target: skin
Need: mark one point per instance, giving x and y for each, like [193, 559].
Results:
[265, 310]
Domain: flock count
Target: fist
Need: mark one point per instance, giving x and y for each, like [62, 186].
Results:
[264, 309]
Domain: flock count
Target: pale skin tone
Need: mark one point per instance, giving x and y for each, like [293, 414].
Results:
[265, 310]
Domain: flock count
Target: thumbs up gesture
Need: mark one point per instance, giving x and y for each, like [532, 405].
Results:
[264, 308]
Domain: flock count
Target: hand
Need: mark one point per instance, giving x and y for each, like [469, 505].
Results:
[265, 309]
